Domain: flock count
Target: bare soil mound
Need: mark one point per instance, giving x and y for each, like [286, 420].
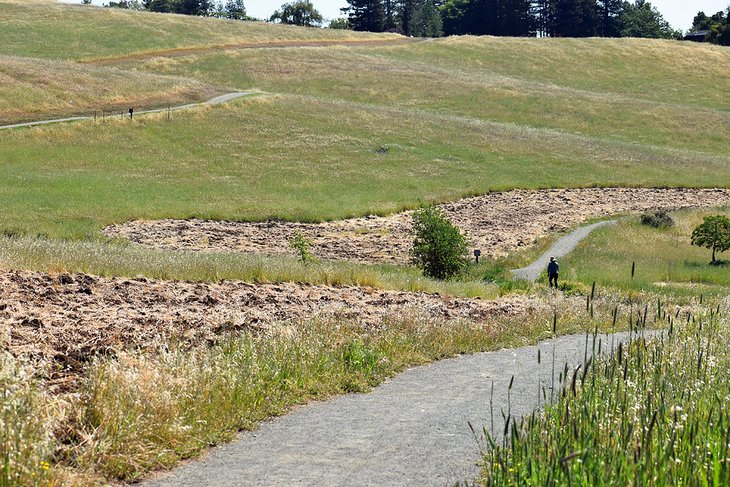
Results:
[71, 317]
[496, 223]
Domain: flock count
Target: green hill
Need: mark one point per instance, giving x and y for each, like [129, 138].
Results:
[348, 124]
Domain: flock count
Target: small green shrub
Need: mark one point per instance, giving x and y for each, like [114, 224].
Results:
[657, 219]
[439, 248]
[302, 246]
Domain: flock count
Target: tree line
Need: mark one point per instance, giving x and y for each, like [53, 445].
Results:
[717, 27]
[229, 9]
[435, 18]
[521, 18]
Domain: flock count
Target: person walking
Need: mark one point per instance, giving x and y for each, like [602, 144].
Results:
[553, 269]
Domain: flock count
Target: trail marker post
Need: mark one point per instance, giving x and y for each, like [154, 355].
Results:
[477, 253]
[131, 113]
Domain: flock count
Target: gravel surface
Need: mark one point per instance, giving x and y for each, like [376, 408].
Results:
[412, 430]
[561, 248]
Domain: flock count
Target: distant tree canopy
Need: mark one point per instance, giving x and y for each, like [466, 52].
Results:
[434, 18]
[340, 23]
[554, 18]
[640, 19]
[300, 12]
[718, 27]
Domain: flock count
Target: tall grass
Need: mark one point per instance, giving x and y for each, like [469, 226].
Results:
[243, 161]
[138, 411]
[654, 413]
[37, 89]
[27, 419]
[116, 259]
[47, 29]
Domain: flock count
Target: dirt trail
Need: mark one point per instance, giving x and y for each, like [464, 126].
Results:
[216, 100]
[496, 223]
[69, 318]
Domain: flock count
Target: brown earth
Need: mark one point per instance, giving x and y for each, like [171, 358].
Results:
[70, 318]
[496, 223]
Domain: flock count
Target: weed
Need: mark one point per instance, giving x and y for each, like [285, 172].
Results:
[302, 246]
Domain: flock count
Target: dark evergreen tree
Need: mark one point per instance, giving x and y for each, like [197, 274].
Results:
[573, 18]
[390, 9]
[489, 17]
[542, 18]
[235, 9]
[453, 13]
[158, 5]
[609, 24]
[366, 15]
[421, 18]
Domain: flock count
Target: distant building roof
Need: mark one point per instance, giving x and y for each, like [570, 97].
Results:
[697, 35]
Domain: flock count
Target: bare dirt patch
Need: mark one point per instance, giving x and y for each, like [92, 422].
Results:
[69, 318]
[496, 223]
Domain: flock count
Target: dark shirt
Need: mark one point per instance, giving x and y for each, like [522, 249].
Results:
[553, 268]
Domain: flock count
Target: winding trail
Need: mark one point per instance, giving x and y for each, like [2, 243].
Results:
[411, 430]
[217, 100]
[561, 248]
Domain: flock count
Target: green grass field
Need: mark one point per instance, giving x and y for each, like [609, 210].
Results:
[343, 124]
[244, 161]
[665, 259]
[339, 130]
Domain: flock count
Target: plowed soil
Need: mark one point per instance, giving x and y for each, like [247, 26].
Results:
[496, 223]
[70, 318]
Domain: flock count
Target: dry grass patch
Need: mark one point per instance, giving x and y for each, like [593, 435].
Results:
[32, 89]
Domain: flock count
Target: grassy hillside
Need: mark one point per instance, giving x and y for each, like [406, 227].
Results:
[652, 92]
[46, 29]
[324, 160]
[342, 130]
[32, 89]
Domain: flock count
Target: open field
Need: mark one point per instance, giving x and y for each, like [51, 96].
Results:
[325, 160]
[33, 89]
[665, 259]
[116, 366]
[537, 83]
[47, 29]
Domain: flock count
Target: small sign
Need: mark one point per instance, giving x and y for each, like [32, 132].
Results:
[477, 253]
[131, 112]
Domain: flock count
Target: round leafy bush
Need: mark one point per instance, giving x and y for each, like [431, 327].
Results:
[657, 219]
[439, 248]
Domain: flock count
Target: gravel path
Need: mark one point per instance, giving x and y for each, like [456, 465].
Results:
[412, 430]
[217, 100]
[561, 248]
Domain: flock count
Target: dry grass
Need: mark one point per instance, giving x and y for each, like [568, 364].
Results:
[46, 29]
[32, 89]
[501, 81]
